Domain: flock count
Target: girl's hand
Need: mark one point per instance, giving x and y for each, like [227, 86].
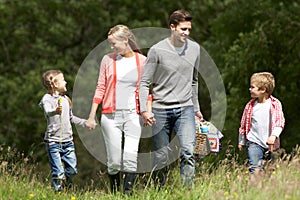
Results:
[59, 110]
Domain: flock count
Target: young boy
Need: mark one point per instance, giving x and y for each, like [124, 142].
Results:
[262, 121]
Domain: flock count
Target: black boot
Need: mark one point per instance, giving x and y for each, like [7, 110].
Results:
[128, 182]
[160, 177]
[114, 182]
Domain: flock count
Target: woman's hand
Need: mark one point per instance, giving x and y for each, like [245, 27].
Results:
[91, 124]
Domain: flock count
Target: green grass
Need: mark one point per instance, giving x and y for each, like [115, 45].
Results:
[226, 179]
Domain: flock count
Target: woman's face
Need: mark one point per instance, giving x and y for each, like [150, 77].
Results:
[120, 46]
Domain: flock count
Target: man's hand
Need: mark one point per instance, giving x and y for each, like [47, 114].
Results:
[199, 115]
[148, 118]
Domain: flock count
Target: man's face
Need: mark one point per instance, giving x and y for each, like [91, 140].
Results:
[181, 32]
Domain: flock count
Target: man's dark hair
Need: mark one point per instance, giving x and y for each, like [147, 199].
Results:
[179, 16]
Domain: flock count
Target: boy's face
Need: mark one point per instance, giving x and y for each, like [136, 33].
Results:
[255, 91]
[60, 83]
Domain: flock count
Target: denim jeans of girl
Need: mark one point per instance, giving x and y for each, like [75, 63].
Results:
[256, 155]
[63, 163]
[182, 121]
[114, 125]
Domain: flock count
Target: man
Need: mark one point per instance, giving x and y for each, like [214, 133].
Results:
[172, 70]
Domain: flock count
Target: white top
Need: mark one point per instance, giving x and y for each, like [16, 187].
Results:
[127, 77]
[260, 123]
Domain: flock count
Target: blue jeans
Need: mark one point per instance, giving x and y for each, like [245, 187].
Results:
[256, 155]
[182, 121]
[63, 163]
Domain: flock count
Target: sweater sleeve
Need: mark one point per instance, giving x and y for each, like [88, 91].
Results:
[146, 79]
[76, 120]
[101, 84]
[195, 85]
[48, 108]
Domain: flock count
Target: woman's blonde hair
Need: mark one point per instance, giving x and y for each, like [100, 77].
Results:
[122, 32]
[49, 79]
[264, 80]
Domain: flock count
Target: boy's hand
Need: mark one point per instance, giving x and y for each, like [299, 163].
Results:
[59, 110]
[240, 147]
[271, 140]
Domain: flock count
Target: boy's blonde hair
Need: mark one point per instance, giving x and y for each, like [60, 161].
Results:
[264, 80]
[49, 79]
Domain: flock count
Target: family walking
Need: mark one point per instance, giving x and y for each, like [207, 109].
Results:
[160, 91]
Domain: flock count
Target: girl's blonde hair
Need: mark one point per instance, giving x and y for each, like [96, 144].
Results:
[122, 32]
[48, 82]
[264, 80]
[49, 79]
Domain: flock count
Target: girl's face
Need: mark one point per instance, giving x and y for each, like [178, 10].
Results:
[120, 46]
[60, 83]
[255, 91]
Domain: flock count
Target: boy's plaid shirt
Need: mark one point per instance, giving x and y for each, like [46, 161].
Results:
[277, 118]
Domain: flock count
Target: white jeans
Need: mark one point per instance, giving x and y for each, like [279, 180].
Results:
[129, 122]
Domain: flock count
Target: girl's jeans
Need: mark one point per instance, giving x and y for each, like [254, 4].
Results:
[63, 162]
[182, 121]
[114, 125]
[256, 155]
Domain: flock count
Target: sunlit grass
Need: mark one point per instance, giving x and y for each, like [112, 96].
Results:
[226, 179]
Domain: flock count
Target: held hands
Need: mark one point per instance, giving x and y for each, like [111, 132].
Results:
[148, 118]
[90, 123]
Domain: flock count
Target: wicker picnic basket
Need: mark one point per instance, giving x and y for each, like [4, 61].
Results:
[202, 146]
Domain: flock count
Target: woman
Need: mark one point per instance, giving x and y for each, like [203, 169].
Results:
[117, 89]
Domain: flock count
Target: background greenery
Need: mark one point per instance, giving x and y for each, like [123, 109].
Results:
[241, 36]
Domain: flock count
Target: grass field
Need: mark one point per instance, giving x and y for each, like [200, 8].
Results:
[226, 180]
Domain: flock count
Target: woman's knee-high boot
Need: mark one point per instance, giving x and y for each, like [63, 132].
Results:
[128, 182]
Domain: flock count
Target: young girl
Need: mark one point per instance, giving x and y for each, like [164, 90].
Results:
[59, 135]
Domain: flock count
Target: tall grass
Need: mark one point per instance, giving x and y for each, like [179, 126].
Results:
[226, 179]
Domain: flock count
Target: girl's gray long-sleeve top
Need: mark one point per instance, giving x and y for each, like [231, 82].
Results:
[174, 76]
[59, 128]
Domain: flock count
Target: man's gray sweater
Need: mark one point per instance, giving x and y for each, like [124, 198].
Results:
[174, 76]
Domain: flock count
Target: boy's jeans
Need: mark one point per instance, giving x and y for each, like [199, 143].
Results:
[63, 162]
[182, 121]
[256, 156]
